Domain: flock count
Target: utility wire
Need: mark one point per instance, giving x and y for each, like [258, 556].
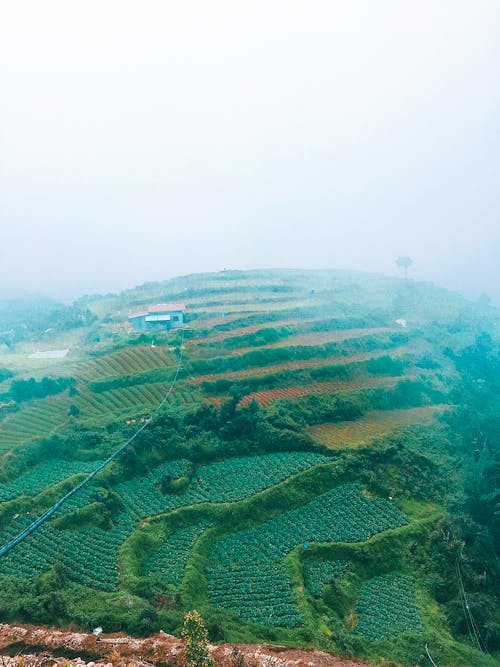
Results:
[429, 655]
[51, 511]
[467, 611]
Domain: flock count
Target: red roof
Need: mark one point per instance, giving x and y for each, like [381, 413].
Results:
[166, 307]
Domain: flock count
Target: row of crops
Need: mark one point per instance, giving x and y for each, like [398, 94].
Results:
[43, 418]
[225, 481]
[258, 594]
[372, 425]
[317, 574]
[128, 360]
[387, 607]
[298, 365]
[168, 561]
[266, 397]
[44, 475]
[332, 336]
[343, 514]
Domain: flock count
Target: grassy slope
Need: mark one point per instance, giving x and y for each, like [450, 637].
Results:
[119, 380]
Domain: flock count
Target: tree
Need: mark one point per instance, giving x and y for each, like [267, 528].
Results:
[195, 635]
[405, 262]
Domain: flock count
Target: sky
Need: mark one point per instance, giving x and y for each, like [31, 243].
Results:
[145, 140]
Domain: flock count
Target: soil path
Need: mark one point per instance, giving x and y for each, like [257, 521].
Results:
[45, 647]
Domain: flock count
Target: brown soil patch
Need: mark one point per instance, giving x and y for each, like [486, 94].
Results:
[37, 647]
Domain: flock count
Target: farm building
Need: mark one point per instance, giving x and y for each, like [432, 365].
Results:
[160, 316]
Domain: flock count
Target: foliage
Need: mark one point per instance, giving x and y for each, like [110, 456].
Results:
[196, 639]
[25, 390]
[319, 573]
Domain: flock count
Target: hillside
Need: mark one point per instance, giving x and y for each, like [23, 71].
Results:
[317, 465]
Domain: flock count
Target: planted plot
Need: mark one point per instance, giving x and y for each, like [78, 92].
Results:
[43, 476]
[33, 421]
[387, 607]
[317, 574]
[266, 397]
[341, 515]
[322, 337]
[91, 554]
[169, 560]
[260, 594]
[299, 364]
[374, 424]
[128, 360]
[227, 481]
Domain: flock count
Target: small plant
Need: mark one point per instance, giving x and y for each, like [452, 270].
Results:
[195, 635]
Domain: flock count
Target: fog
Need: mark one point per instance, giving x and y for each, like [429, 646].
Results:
[144, 140]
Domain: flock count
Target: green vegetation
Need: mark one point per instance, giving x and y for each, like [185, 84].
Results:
[387, 607]
[319, 573]
[230, 500]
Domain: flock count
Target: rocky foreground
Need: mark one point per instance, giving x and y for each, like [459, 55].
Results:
[31, 646]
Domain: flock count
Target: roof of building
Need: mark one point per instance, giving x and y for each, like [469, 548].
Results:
[166, 307]
[160, 308]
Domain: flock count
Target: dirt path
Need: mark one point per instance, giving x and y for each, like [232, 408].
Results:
[44, 647]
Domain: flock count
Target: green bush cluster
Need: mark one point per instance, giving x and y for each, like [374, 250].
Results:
[319, 573]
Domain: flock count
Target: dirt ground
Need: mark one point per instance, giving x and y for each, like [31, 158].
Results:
[32, 646]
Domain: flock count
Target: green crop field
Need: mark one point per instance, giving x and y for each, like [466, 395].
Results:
[252, 495]
[387, 607]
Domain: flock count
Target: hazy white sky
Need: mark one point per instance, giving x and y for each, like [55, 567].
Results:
[143, 140]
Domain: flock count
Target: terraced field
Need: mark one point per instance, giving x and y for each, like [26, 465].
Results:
[342, 515]
[373, 425]
[300, 364]
[266, 397]
[222, 507]
[88, 548]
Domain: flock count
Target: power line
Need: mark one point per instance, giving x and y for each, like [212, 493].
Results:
[429, 655]
[51, 511]
[469, 618]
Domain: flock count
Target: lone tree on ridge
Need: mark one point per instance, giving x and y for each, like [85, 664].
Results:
[405, 262]
[195, 635]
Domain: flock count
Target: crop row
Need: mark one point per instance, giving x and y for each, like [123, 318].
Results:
[297, 365]
[43, 476]
[126, 361]
[33, 421]
[373, 425]
[319, 573]
[168, 561]
[322, 337]
[343, 514]
[225, 481]
[260, 594]
[266, 397]
[387, 607]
